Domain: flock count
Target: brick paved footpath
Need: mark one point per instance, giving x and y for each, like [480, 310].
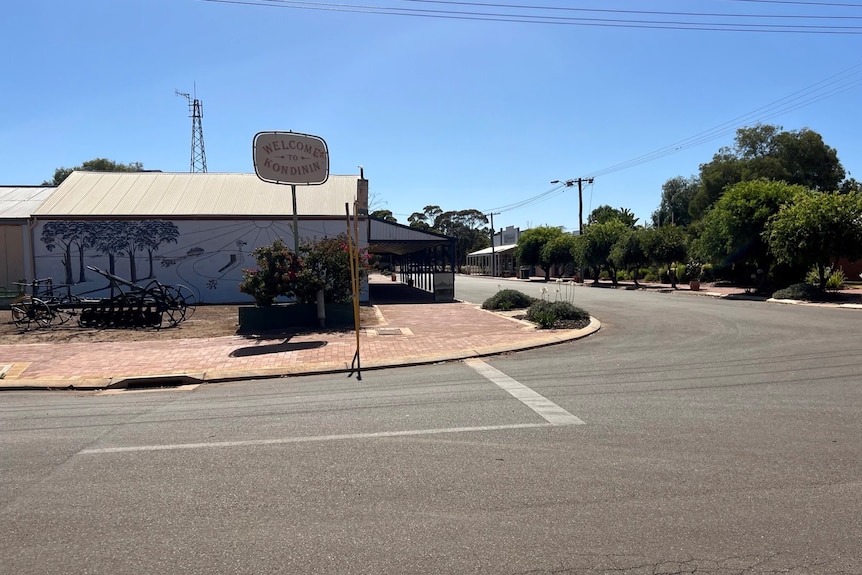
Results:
[410, 334]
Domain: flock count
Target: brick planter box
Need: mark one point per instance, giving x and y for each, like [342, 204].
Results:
[253, 319]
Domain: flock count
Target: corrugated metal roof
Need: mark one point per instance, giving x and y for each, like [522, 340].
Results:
[163, 194]
[380, 230]
[19, 202]
[497, 250]
[392, 238]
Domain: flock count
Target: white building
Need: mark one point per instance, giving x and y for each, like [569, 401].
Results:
[199, 229]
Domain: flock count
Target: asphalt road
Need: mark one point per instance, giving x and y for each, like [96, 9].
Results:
[689, 435]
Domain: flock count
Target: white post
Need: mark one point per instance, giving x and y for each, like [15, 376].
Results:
[321, 309]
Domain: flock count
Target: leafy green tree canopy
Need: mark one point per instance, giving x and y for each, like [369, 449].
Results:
[732, 230]
[558, 250]
[817, 229]
[531, 243]
[469, 227]
[604, 214]
[629, 252]
[665, 246]
[424, 220]
[385, 215]
[593, 248]
[798, 157]
[676, 195]
[95, 165]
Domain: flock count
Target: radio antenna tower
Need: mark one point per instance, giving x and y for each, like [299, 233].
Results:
[198, 161]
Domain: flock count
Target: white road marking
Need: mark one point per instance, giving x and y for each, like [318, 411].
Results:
[552, 412]
[308, 439]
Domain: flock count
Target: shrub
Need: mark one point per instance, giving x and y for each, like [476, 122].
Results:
[835, 278]
[326, 266]
[707, 274]
[278, 269]
[548, 313]
[508, 299]
[545, 319]
[692, 271]
[802, 291]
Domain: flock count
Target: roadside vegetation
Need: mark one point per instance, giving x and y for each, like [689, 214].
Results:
[771, 212]
[542, 311]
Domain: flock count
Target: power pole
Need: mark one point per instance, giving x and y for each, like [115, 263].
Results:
[580, 182]
[198, 162]
[493, 256]
[569, 184]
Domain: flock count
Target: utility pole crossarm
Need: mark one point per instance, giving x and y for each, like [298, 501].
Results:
[580, 182]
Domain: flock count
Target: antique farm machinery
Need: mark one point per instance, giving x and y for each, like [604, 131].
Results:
[129, 305]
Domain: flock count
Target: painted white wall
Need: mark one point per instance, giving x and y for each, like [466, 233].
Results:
[208, 256]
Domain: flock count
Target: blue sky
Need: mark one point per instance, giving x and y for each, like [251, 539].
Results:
[462, 112]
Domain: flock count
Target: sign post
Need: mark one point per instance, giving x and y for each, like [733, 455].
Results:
[291, 158]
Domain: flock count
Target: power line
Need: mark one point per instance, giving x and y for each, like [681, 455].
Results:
[826, 88]
[798, 3]
[538, 17]
[640, 12]
[837, 83]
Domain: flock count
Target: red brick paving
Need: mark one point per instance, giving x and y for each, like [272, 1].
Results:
[428, 332]
[411, 333]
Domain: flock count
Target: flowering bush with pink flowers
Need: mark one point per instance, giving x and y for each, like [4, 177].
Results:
[323, 264]
[278, 270]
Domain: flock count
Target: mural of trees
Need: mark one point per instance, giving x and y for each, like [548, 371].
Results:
[153, 233]
[112, 238]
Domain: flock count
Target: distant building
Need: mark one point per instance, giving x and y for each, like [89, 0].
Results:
[498, 260]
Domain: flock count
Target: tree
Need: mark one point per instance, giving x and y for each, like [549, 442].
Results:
[558, 251]
[385, 215]
[468, 227]
[850, 185]
[798, 157]
[95, 165]
[629, 253]
[732, 231]
[424, 220]
[817, 229]
[724, 170]
[666, 246]
[594, 249]
[676, 195]
[604, 214]
[531, 244]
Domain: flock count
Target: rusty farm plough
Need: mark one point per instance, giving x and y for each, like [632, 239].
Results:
[129, 305]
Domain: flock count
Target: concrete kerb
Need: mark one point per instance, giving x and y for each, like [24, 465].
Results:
[815, 304]
[173, 380]
[223, 376]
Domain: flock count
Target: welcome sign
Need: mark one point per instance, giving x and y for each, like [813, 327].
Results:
[290, 158]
